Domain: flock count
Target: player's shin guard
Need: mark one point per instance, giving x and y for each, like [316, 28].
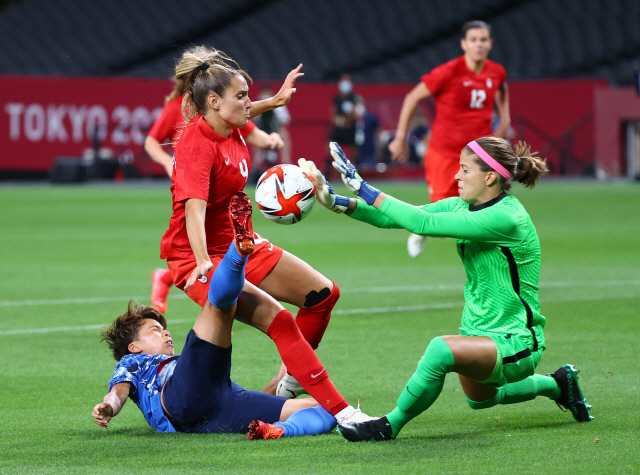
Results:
[303, 364]
[227, 280]
[525, 390]
[309, 421]
[424, 386]
[313, 321]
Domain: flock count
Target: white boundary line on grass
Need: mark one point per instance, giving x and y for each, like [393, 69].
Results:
[354, 311]
[401, 288]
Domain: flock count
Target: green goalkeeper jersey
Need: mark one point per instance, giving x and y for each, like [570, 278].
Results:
[500, 250]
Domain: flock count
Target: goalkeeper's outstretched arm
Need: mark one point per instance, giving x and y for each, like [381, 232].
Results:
[327, 197]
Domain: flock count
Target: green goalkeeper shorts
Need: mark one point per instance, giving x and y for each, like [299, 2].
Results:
[515, 360]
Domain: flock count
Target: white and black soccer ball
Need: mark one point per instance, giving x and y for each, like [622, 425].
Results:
[285, 194]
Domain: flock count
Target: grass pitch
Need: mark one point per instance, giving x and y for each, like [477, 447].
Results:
[73, 256]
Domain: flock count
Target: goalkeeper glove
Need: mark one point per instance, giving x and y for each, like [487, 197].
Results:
[324, 192]
[351, 177]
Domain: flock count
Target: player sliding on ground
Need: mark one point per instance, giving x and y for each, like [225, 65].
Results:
[501, 336]
[194, 392]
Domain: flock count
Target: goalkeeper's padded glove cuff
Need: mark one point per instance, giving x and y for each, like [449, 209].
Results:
[368, 193]
[342, 203]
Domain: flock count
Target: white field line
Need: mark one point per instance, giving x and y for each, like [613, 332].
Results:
[354, 311]
[402, 288]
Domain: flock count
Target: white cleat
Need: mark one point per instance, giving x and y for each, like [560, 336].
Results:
[356, 416]
[290, 388]
[415, 244]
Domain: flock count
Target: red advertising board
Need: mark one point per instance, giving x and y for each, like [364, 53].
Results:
[46, 117]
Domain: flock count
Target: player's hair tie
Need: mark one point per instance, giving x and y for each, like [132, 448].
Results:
[488, 159]
[204, 66]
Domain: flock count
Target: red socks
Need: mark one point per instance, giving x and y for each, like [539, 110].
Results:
[303, 364]
[313, 321]
[166, 278]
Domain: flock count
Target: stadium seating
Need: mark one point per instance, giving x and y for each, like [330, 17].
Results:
[374, 40]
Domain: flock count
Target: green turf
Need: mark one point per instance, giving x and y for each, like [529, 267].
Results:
[101, 243]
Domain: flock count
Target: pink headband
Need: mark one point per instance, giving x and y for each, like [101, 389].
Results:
[489, 160]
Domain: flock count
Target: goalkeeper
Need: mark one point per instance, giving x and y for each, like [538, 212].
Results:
[501, 336]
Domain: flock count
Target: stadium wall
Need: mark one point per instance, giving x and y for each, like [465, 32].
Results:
[46, 117]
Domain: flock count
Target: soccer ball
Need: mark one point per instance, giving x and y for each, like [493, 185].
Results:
[285, 194]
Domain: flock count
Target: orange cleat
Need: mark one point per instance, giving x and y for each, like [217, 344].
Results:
[261, 430]
[240, 211]
[160, 288]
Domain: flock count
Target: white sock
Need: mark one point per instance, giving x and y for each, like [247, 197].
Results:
[346, 412]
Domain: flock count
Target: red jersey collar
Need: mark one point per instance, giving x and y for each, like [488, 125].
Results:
[208, 132]
[471, 71]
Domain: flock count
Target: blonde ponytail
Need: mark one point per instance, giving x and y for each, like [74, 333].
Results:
[203, 70]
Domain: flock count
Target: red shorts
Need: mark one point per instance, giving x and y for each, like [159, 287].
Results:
[439, 171]
[264, 258]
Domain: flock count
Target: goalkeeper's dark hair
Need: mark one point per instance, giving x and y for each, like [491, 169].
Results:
[525, 167]
[126, 327]
[200, 71]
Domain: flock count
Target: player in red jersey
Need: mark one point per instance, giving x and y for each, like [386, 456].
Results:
[211, 164]
[165, 131]
[465, 90]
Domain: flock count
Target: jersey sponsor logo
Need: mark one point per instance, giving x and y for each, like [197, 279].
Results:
[466, 83]
[489, 83]
[314, 376]
[244, 168]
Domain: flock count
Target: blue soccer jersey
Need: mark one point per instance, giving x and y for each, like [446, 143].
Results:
[141, 371]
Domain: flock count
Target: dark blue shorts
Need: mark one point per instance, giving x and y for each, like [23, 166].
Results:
[200, 396]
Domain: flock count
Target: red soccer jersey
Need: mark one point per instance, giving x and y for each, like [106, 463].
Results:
[464, 103]
[171, 122]
[211, 168]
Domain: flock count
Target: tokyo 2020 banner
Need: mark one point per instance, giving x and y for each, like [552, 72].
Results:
[43, 117]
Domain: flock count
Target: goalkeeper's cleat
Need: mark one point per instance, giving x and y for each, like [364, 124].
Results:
[290, 388]
[571, 398]
[259, 430]
[240, 211]
[371, 430]
[416, 244]
[160, 289]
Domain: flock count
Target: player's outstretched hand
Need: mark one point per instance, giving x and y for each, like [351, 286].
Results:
[198, 273]
[274, 141]
[102, 413]
[350, 175]
[398, 149]
[287, 89]
[324, 192]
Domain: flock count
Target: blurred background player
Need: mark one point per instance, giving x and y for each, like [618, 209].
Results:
[367, 127]
[464, 90]
[165, 133]
[193, 392]
[275, 121]
[342, 113]
[501, 337]
[211, 164]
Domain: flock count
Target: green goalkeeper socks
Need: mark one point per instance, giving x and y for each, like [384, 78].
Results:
[525, 390]
[424, 386]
